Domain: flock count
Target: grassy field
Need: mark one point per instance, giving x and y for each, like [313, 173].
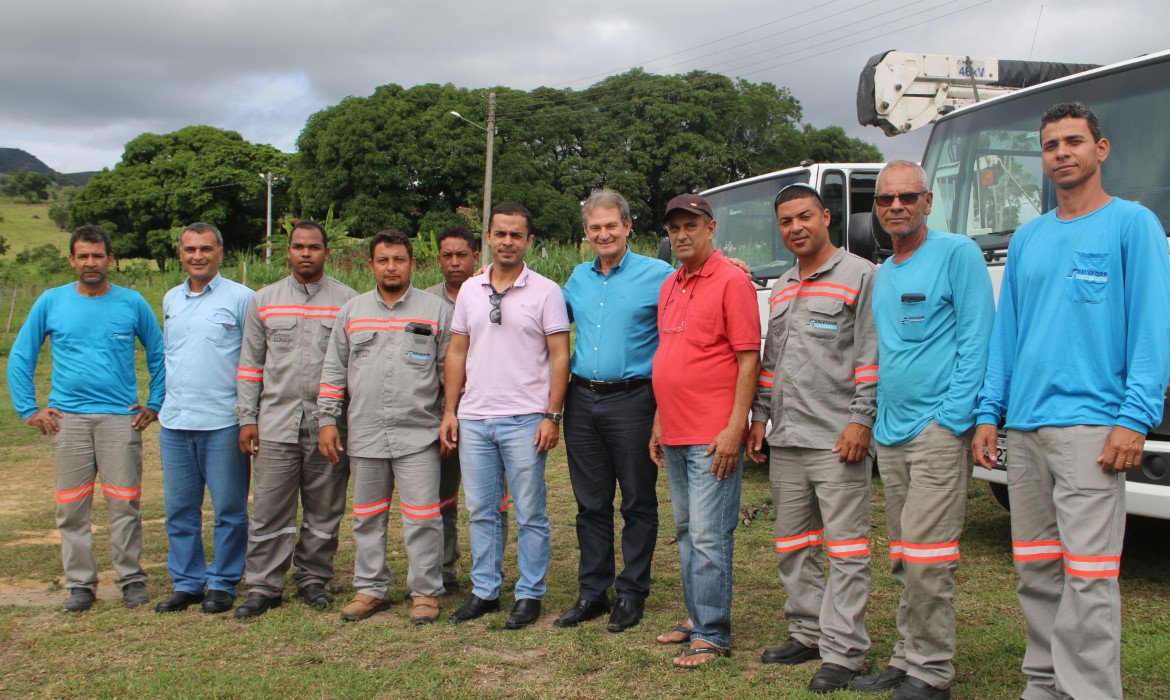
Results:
[112, 652]
[28, 226]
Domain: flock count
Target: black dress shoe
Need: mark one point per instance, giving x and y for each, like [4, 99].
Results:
[524, 613]
[256, 605]
[474, 607]
[790, 652]
[217, 601]
[179, 600]
[915, 689]
[79, 600]
[626, 613]
[316, 595]
[892, 677]
[831, 677]
[582, 611]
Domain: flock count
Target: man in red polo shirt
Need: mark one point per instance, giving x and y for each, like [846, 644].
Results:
[705, 376]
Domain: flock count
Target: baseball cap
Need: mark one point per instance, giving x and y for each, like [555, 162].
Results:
[691, 203]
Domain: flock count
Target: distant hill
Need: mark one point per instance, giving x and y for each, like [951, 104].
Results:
[19, 159]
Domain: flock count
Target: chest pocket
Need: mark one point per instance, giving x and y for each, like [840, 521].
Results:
[121, 339]
[419, 350]
[1088, 278]
[700, 327]
[826, 316]
[222, 327]
[281, 333]
[326, 331]
[778, 321]
[361, 348]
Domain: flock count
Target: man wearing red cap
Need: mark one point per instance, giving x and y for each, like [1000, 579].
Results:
[705, 376]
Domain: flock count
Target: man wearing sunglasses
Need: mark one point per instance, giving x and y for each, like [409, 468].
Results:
[510, 346]
[384, 368]
[933, 307]
[818, 387]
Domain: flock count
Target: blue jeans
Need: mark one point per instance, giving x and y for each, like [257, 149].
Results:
[193, 459]
[491, 450]
[706, 512]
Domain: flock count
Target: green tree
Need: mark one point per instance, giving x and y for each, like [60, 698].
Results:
[163, 182]
[3, 245]
[831, 145]
[29, 185]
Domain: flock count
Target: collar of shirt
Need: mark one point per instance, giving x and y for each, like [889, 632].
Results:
[793, 273]
[401, 300]
[705, 270]
[210, 286]
[487, 278]
[597, 262]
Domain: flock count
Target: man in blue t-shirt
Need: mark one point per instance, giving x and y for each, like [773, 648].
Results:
[933, 308]
[93, 418]
[1082, 321]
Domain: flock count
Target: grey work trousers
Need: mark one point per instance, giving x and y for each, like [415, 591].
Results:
[1068, 522]
[417, 477]
[88, 445]
[926, 500]
[281, 472]
[819, 501]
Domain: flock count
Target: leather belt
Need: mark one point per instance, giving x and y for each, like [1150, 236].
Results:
[609, 387]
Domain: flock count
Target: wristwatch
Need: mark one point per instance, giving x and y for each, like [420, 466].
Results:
[556, 418]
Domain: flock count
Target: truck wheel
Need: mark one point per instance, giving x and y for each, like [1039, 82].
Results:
[1000, 491]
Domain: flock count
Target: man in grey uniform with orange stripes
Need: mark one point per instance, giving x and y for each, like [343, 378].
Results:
[818, 386]
[387, 353]
[286, 332]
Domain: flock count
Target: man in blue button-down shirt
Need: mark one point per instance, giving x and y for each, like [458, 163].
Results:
[609, 413]
[203, 321]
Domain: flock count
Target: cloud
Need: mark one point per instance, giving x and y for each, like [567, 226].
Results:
[81, 80]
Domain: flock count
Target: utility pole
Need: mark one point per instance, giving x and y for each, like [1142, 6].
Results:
[487, 170]
[267, 177]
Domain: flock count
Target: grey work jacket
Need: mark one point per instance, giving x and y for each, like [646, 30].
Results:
[286, 331]
[388, 362]
[820, 367]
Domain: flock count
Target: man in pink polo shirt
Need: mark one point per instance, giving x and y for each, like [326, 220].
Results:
[705, 376]
[510, 341]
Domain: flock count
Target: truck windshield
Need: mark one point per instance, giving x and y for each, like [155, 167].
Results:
[984, 165]
[747, 224]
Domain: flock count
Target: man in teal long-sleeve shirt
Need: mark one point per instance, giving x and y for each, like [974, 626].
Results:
[1083, 324]
[93, 418]
[933, 308]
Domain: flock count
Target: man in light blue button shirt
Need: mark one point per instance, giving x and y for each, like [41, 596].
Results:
[203, 321]
[609, 413]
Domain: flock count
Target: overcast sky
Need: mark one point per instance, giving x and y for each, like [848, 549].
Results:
[79, 80]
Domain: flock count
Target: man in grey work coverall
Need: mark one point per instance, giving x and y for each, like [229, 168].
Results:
[387, 354]
[818, 386]
[286, 332]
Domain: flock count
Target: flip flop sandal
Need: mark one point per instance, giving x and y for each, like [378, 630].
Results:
[683, 630]
[713, 652]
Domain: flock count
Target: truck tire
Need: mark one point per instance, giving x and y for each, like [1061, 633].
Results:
[1000, 491]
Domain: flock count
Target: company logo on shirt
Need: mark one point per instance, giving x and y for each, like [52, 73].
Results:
[822, 325]
[913, 319]
[1093, 276]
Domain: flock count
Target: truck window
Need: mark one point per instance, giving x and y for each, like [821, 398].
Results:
[984, 162]
[833, 194]
[747, 223]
